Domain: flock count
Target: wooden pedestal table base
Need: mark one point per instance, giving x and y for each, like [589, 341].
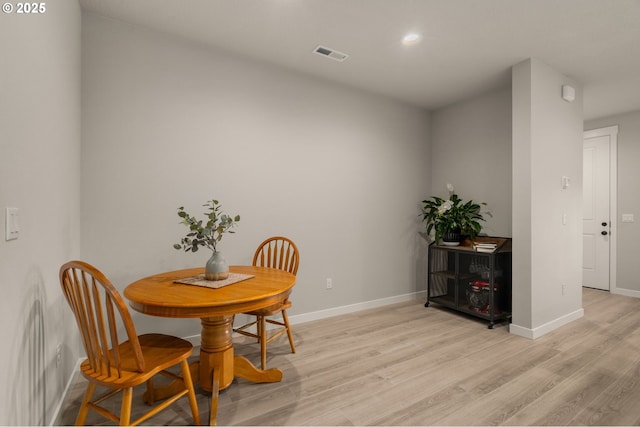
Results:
[217, 366]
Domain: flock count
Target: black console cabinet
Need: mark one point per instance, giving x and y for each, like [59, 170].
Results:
[460, 277]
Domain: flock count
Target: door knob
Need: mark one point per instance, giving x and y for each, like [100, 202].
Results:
[604, 224]
[604, 233]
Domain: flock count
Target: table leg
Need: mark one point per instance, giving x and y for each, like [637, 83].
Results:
[217, 365]
[216, 351]
[155, 392]
[242, 368]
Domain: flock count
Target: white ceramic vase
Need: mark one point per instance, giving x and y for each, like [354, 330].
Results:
[217, 268]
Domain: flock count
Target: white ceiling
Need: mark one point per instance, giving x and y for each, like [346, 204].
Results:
[467, 47]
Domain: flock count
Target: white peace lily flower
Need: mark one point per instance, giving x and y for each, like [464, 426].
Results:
[441, 216]
[445, 207]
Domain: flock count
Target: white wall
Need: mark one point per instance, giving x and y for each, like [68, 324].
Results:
[471, 149]
[547, 144]
[167, 123]
[628, 196]
[40, 175]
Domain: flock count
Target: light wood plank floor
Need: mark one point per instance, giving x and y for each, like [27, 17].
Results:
[405, 364]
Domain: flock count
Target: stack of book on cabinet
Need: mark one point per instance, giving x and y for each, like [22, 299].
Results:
[484, 247]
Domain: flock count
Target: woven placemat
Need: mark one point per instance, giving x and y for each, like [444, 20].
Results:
[199, 280]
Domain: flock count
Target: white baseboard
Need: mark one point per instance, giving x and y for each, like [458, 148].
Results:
[76, 371]
[335, 311]
[352, 308]
[626, 292]
[547, 327]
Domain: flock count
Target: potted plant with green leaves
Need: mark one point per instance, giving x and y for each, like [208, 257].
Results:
[451, 218]
[208, 233]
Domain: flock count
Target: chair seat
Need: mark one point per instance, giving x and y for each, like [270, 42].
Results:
[159, 351]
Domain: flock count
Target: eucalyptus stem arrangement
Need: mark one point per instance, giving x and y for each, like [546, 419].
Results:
[207, 234]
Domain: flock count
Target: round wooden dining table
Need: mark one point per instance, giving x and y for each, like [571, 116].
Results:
[160, 295]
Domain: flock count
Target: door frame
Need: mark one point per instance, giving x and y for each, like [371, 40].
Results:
[612, 133]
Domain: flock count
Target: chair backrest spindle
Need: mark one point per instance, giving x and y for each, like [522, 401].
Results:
[277, 252]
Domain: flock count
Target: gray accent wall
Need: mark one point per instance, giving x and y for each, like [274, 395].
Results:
[169, 123]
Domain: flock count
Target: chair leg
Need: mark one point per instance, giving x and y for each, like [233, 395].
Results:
[84, 407]
[188, 383]
[259, 327]
[215, 391]
[289, 334]
[125, 410]
[263, 342]
[148, 397]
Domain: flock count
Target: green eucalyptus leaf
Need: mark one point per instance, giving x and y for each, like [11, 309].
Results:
[205, 234]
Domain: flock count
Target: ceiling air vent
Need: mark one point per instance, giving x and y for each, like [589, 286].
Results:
[330, 53]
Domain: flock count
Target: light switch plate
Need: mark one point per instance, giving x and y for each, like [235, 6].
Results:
[12, 228]
[627, 217]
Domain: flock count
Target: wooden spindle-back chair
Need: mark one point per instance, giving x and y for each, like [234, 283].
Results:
[100, 312]
[281, 253]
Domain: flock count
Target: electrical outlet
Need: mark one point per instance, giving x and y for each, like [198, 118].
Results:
[329, 283]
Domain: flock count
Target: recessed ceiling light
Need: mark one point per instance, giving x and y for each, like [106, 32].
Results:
[411, 39]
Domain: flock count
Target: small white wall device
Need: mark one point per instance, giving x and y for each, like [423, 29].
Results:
[12, 229]
[568, 93]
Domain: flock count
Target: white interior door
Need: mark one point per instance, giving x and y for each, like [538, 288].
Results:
[596, 233]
